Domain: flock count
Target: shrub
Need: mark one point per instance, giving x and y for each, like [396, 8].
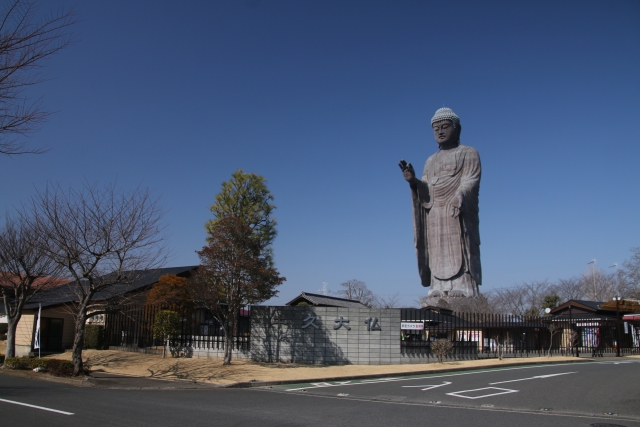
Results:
[441, 348]
[167, 323]
[60, 368]
[16, 363]
[39, 363]
[57, 367]
[94, 337]
[1, 359]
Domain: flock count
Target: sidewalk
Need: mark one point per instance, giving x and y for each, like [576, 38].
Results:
[123, 370]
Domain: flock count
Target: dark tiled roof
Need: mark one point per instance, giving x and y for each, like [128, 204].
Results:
[591, 304]
[138, 280]
[326, 301]
[588, 305]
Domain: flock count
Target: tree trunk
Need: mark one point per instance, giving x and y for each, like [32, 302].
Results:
[12, 325]
[78, 342]
[228, 338]
[12, 322]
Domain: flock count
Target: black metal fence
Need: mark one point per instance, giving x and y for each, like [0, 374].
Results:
[132, 326]
[473, 335]
[487, 335]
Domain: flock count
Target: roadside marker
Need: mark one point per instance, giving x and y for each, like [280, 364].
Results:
[37, 407]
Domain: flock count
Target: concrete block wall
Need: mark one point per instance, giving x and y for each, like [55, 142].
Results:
[278, 334]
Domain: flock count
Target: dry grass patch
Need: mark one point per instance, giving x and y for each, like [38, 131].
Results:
[212, 370]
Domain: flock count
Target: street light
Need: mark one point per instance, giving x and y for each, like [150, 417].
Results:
[615, 276]
[617, 300]
[593, 274]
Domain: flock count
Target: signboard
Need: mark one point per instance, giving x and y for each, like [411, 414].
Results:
[414, 326]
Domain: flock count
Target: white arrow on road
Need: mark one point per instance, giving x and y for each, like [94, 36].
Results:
[533, 378]
[428, 387]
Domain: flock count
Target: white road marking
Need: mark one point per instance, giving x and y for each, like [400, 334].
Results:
[412, 378]
[533, 378]
[615, 363]
[37, 407]
[502, 391]
[429, 387]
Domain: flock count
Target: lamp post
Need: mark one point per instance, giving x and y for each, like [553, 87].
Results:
[615, 275]
[593, 274]
[617, 299]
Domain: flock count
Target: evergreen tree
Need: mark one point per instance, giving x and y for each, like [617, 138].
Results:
[237, 266]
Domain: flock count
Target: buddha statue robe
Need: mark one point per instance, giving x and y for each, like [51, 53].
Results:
[448, 248]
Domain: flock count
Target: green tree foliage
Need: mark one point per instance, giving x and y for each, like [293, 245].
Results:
[550, 301]
[237, 264]
[167, 323]
[245, 196]
[94, 337]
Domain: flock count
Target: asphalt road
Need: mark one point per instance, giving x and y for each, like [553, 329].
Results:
[559, 395]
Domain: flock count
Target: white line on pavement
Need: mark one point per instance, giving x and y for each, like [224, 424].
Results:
[533, 378]
[428, 387]
[36, 407]
[501, 391]
[411, 378]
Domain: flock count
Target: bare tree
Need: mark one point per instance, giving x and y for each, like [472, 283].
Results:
[25, 42]
[441, 348]
[553, 329]
[481, 304]
[500, 341]
[629, 276]
[357, 290]
[25, 271]
[569, 289]
[573, 342]
[105, 238]
[526, 299]
[390, 301]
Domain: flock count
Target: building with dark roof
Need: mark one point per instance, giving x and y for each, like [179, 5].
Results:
[317, 300]
[593, 310]
[56, 318]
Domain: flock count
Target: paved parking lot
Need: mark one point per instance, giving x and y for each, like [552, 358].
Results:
[589, 389]
[584, 394]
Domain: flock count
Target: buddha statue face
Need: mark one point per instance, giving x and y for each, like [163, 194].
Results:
[445, 133]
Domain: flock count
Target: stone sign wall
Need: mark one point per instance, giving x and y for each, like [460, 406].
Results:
[325, 335]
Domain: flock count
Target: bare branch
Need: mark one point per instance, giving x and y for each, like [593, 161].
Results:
[357, 290]
[105, 238]
[25, 43]
[25, 271]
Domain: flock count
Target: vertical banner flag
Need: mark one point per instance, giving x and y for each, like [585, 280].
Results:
[36, 344]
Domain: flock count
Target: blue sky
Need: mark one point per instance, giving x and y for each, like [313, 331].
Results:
[323, 98]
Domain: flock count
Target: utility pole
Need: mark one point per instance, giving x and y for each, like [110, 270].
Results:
[615, 277]
[617, 326]
[593, 274]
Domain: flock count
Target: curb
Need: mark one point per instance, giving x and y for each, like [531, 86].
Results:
[251, 384]
[79, 382]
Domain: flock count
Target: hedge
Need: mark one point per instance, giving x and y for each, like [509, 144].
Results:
[59, 368]
[94, 337]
